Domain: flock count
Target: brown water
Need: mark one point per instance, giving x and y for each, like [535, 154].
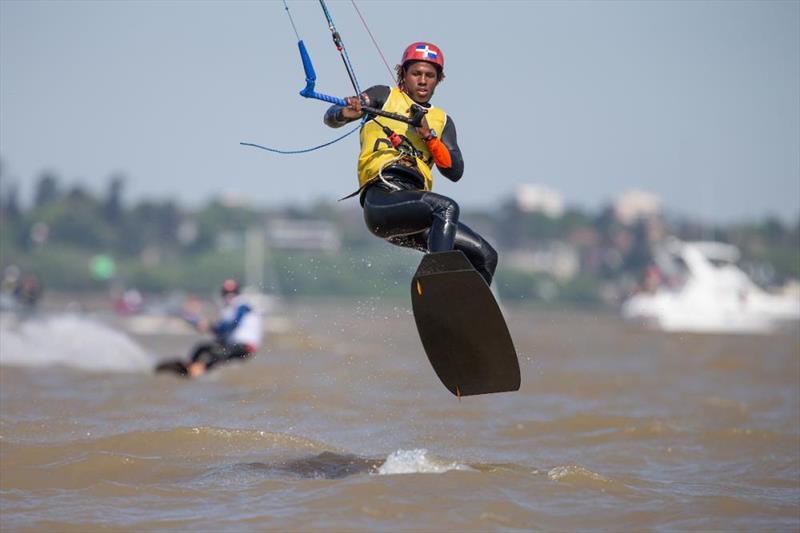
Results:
[341, 424]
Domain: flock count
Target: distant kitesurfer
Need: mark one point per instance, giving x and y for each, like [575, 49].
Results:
[394, 166]
[237, 333]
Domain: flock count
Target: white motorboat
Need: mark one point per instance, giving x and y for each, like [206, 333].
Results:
[704, 291]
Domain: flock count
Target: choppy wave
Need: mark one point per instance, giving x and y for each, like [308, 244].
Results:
[73, 341]
[417, 462]
[155, 456]
[332, 465]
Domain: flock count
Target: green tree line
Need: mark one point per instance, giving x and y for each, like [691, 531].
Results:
[157, 245]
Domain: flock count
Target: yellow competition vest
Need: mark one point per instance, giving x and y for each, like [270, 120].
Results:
[377, 150]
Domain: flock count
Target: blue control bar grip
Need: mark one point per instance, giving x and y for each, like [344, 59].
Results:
[311, 78]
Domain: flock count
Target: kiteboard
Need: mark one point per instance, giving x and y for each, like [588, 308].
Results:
[461, 327]
[173, 366]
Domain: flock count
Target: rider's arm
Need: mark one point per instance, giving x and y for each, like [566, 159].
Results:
[446, 153]
[223, 327]
[374, 97]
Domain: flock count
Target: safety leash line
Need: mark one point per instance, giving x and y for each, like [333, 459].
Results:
[303, 150]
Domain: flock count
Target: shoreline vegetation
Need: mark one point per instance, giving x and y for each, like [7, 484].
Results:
[72, 239]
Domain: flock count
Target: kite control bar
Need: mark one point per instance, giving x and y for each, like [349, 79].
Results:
[417, 111]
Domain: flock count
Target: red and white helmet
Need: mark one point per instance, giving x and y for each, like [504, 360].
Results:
[422, 51]
[229, 286]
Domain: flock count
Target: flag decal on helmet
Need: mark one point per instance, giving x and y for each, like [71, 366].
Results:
[426, 52]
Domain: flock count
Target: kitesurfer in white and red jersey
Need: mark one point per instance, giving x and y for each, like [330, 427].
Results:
[237, 333]
[395, 165]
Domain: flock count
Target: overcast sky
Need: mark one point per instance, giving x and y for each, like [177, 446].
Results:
[697, 102]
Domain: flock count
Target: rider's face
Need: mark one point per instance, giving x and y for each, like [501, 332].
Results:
[420, 80]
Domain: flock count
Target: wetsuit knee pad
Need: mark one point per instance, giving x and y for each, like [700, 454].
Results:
[444, 225]
[443, 207]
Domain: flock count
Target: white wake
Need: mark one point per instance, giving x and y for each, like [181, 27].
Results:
[73, 341]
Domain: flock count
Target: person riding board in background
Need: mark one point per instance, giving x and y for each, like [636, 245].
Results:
[395, 178]
[237, 333]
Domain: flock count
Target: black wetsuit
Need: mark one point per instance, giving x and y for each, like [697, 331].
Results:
[215, 352]
[404, 214]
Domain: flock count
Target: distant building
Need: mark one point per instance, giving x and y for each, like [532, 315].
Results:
[535, 198]
[634, 205]
[305, 234]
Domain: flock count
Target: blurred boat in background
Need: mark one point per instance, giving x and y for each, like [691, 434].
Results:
[701, 289]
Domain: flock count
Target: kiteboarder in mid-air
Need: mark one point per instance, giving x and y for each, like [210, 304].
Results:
[403, 136]
[396, 160]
